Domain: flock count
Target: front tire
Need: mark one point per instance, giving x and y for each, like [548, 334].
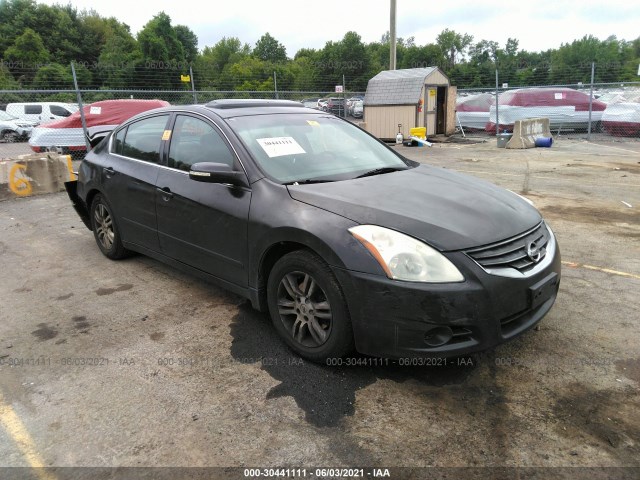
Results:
[9, 136]
[307, 307]
[105, 229]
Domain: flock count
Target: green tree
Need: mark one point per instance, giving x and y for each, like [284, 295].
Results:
[118, 59]
[453, 45]
[346, 57]
[53, 76]
[189, 41]
[161, 51]
[28, 49]
[251, 73]
[572, 62]
[269, 49]
[212, 65]
[7, 82]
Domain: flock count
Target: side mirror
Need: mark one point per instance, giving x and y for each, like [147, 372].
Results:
[217, 173]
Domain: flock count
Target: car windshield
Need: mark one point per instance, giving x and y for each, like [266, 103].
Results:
[298, 148]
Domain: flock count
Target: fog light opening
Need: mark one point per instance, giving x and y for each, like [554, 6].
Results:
[438, 336]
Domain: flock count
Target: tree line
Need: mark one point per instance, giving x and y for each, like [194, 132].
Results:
[39, 42]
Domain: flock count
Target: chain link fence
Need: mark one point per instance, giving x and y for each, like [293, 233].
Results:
[49, 118]
[608, 111]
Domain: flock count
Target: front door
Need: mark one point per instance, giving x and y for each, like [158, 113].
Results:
[203, 225]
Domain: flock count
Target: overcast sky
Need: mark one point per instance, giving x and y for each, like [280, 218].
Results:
[538, 25]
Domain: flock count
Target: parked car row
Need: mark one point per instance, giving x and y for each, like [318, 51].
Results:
[566, 108]
[17, 120]
[336, 105]
[13, 129]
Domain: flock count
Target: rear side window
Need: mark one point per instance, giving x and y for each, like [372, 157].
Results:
[194, 140]
[143, 139]
[33, 109]
[59, 111]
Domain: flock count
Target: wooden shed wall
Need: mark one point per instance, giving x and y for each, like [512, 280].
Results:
[437, 78]
[382, 121]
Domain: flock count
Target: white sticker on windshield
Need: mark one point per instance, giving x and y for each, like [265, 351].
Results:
[95, 110]
[280, 146]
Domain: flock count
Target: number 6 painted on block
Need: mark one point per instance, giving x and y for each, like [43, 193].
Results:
[19, 185]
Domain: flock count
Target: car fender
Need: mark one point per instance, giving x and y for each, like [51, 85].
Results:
[296, 223]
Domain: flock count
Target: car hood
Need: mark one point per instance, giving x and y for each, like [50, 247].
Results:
[447, 210]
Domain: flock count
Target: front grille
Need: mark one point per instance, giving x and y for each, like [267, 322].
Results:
[521, 252]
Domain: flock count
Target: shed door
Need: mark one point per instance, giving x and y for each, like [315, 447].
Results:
[435, 113]
[431, 112]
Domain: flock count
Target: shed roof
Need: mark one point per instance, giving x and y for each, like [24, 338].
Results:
[397, 87]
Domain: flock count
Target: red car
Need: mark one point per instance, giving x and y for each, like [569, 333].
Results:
[565, 108]
[67, 136]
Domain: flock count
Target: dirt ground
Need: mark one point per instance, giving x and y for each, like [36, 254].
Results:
[134, 364]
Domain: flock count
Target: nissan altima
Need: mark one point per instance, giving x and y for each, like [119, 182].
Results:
[343, 241]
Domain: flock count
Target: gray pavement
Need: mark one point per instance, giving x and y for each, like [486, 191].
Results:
[133, 363]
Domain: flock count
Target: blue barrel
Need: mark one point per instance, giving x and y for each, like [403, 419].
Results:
[544, 141]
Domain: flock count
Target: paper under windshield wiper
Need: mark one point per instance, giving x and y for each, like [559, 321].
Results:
[378, 171]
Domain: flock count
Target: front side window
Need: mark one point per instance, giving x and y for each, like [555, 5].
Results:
[307, 147]
[143, 139]
[193, 140]
[59, 111]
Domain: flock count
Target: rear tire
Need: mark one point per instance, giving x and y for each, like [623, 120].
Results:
[105, 229]
[308, 308]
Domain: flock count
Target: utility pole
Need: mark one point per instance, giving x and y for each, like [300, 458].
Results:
[392, 37]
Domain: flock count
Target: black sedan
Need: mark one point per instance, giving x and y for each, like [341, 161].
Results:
[343, 241]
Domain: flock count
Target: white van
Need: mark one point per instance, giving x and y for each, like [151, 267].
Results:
[41, 112]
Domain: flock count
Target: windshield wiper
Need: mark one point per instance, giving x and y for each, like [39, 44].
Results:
[308, 181]
[378, 171]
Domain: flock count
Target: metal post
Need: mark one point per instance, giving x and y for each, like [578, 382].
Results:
[497, 97]
[82, 119]
[193, 85]
[593, 70]
[275, 85]
[344, 99]
[392, 37]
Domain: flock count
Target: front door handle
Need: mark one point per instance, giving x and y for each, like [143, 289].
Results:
[109, 172]
[166, 193]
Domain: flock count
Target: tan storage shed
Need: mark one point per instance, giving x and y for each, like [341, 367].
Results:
[414, 97]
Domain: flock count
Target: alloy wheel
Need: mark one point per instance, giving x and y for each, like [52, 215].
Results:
[104, 226]
[304, 309]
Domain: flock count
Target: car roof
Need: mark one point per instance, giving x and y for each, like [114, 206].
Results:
[242, 107]
[235, 108]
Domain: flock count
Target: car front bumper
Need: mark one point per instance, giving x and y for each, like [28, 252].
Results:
[407, 319]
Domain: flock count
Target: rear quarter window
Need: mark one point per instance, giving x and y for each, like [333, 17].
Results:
[33, 109]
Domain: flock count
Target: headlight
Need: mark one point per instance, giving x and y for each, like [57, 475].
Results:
[405, 258]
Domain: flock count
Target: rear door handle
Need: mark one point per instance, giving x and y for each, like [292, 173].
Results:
[109, 172]
[166, 193]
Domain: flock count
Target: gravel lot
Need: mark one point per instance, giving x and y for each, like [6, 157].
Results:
[132, 363]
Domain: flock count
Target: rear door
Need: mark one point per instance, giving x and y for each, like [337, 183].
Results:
[128, 179]
[203, 225]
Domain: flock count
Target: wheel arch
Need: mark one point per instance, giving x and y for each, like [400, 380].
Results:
[286, 241]
[89, 198]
